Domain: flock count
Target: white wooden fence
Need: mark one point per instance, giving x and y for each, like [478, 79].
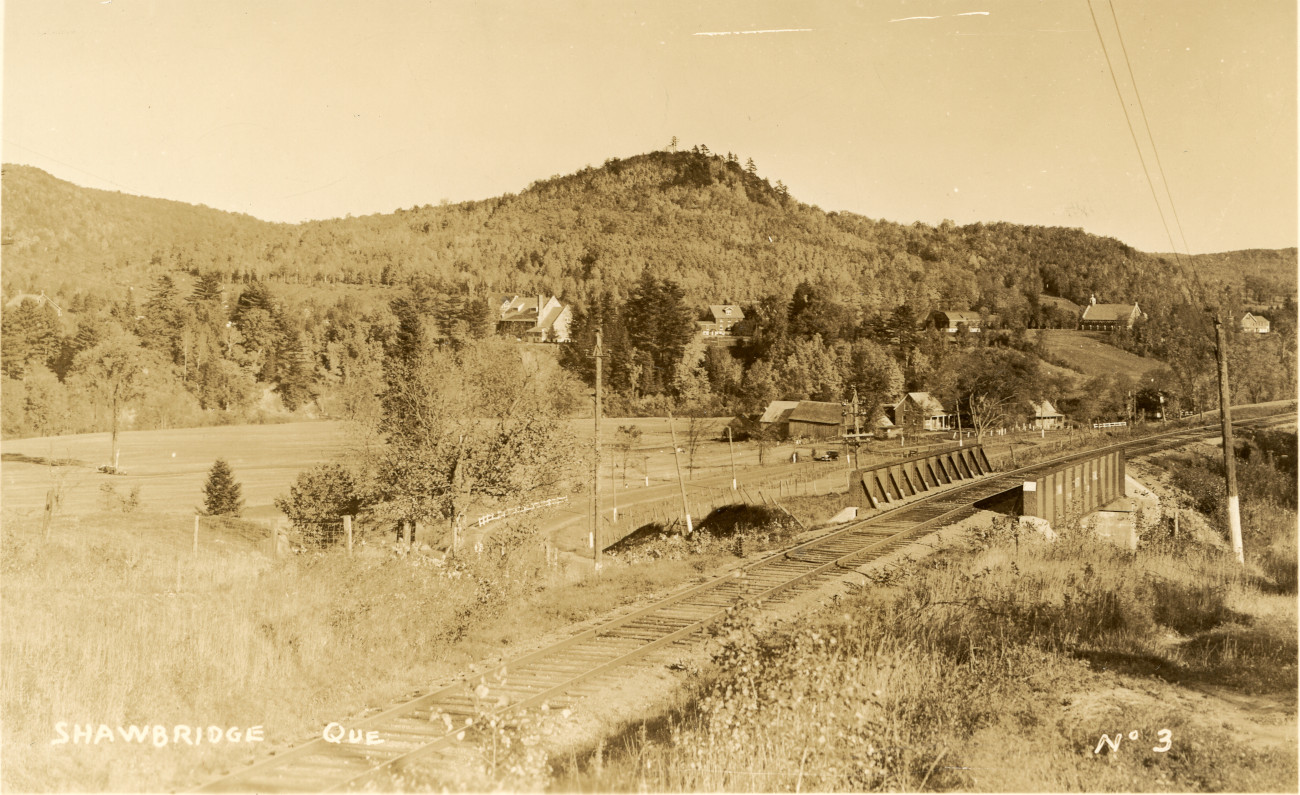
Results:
[492, 517]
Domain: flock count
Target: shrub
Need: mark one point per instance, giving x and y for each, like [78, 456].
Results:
[321, 494]
[111, 500]
[1190, 608]
[222, 494]
[318, 498]
[1200, 478]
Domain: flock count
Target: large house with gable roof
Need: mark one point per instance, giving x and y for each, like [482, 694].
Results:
[722, 318]
[1108, 317]
[532, 318]
[920, 410]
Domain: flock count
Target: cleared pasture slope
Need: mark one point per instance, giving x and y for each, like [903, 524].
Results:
[169, 466]
[1088, 353]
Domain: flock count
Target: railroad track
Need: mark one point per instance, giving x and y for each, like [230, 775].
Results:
[426, 727]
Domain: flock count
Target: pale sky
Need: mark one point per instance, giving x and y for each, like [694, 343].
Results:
[315, 109]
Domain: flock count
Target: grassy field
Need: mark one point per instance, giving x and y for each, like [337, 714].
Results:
[170, 466]
[1088, 353]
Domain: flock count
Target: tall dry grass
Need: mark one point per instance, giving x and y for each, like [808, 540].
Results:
[114, 621]
[97, 629]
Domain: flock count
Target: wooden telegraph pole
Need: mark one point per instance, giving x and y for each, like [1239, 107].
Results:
[1229, 457]
[686, 508]
[598, 354]
[857, 432]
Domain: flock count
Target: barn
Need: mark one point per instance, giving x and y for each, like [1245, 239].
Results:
[777, 416]
[813, 419]
[954, 320]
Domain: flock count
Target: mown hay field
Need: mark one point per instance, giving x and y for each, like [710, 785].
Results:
[170, 466]
[1088, 353]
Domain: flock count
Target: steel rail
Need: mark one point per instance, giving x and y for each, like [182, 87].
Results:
[789, 569]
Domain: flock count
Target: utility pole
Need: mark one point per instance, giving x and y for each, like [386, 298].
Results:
[598, 354]
[857, 431]
[686, 508]
[856, 437]
[732, 446]
[1229, 455]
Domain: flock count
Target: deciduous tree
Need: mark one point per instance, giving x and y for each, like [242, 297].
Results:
[114, 374]
[464, 428]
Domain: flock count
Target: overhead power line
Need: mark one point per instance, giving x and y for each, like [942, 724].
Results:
[1129, 121]
[1146, 120]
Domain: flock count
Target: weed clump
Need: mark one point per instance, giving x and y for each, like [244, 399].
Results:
[734, 529]
[110, 499]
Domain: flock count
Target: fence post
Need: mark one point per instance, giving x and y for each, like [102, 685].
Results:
[347, 528]
[196, 534]
[49, 514]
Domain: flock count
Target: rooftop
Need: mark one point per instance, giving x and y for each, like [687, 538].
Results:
[817, 412]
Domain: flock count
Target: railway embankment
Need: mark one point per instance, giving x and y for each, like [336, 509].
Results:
[1002, 662]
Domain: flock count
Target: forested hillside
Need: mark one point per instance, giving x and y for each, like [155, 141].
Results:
[707, 222]
[175, 314]
[64, 239]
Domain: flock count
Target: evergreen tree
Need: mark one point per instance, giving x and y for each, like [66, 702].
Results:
[222, 493]
[207, 288]
[163, 318]
[814, 312]
[31, 337]
[659, 323]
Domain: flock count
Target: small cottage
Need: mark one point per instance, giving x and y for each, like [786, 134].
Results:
[1045, 416]
[1254, 324]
